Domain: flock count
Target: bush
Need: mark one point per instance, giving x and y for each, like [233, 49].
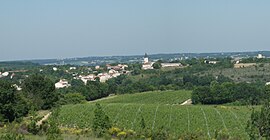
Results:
[101, 122]
[122, 135]
[258, 127]
[54, 132]
[12, 104]
[114, 131]
[72, 98]
[12, 136]
[193, 136]
[33, 128]
[160, 134]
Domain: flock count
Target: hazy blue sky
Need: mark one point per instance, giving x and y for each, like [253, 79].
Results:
[69, 28]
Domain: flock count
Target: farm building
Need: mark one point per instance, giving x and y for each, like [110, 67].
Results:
[244, 65]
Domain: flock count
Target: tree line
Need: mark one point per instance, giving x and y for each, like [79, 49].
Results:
[229, 92]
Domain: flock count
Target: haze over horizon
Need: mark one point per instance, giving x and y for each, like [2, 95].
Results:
[33, 29]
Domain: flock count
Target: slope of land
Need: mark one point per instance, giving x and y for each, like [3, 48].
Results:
[161, 109]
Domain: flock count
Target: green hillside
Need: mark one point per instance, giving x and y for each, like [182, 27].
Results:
[161, 109]
[156, 97]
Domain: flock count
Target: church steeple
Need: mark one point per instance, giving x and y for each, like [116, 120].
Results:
[145, 55]
[145, 59]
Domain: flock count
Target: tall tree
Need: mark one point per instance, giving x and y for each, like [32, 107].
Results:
[101, 122]
[40, 90]
[258, 127]
[12, 105]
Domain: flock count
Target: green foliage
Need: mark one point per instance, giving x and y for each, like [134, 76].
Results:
[101, 122]
[12, 104]
[152, 97]
[16, 65]
[228, 92]
[41, 91]
[193, 136]
[93, 90]
[72, 98]
[255, 60]
[201, 95]
[135, 68]
[160, 109]
[116, 132]
[258, 126]
[33, 128]
[157, 65]
[12, 136]
[160, 134]
[142, 123]
[222, 135]
[53, 132]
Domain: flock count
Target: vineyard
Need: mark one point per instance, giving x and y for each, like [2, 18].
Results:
[161, 109]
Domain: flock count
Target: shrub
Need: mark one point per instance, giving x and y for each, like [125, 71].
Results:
[72, 98]
[122, 135]
[161, 134]
[12, 136]
[54, 132]
[114, 131]
[33, 128]
[193, 136]
[101, 122]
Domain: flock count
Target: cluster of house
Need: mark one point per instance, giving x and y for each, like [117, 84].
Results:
[5, 74]
[238, 64]
[113, 71]
[210, 62]
[149, 65]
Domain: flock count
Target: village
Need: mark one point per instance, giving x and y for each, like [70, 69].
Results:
[108, 71]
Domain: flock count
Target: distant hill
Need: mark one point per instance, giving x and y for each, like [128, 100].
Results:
[101, 60]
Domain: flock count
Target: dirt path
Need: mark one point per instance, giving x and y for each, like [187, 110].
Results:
[49, 114]
[44, 118]
[187, 102]
[105, 98]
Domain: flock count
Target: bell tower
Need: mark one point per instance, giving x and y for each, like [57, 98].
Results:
[145, 59]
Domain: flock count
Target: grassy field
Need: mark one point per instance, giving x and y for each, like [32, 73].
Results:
[161, 109]
[156, 97]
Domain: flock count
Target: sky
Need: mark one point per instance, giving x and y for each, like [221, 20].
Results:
[38, 29]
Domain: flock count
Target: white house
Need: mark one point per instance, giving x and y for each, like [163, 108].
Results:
[62, 84]
[260, 56]
[72, 68]
[118, 67]
[86, 78]
[5, 74]
[103, 77]
[112, 71]
[17, 87]
[55, 69]
[164, 65]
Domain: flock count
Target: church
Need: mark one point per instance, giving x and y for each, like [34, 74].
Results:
[147, 65]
